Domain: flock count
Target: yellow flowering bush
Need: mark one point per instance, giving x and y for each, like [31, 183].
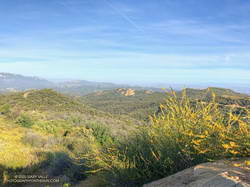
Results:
[182, 134]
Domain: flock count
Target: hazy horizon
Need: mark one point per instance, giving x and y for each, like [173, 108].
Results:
[243, 88]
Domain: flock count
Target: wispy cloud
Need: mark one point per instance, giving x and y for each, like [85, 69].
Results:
[122, 14]
[196, 29]
[106, 36]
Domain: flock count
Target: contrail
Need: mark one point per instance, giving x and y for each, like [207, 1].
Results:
[124, 16]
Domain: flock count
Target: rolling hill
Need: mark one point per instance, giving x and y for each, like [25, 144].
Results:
[140, 104]
[51, 105]
[222, 92]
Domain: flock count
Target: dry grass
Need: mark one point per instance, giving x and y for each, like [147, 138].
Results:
[13, 152]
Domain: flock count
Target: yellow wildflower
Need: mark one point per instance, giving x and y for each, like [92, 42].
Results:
[203, 151]
[193, 115]
[196, 142]
[226, 146]
[237, 165]
[233, 144]
[247, 163]
[202, 136]
[234, 152]
[162, 106]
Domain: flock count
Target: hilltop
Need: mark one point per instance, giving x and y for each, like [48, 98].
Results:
[49, 104]
[41, 100]
[222, 92]
[140, 104]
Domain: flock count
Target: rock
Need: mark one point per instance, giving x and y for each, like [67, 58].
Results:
[99, 93]
[222, 173]
[148, 92]
[126, 92]
[130, 92]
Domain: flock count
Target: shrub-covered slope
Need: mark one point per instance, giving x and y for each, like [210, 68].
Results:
[140, 104]
[51, 105]
[43, 132]
[182, 135]
[41, 100]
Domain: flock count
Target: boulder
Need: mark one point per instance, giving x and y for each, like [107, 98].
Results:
[223, 173]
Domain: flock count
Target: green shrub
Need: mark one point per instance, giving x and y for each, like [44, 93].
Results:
[101, 133]
[4, 109]
[56, 127]
[66, 185]
[79, 141]
[24, 121]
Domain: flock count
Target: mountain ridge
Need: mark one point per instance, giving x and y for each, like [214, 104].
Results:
[16, 82]
[10, 82]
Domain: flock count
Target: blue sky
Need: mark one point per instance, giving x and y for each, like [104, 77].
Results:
[127, 41]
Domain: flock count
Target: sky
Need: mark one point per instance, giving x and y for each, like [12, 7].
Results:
[127, 41]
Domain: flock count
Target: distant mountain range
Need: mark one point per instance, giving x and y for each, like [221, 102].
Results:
[14, 82]
[82, 87]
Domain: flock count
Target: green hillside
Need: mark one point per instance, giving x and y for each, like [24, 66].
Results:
[108, 139]
[140, 105]
[51, 105]
[223, 92]
[41, 100]
[143, 103]
[42, 130]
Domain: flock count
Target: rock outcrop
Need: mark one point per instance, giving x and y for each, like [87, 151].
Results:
[148, 91]
[215, 174]
[126, 92]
